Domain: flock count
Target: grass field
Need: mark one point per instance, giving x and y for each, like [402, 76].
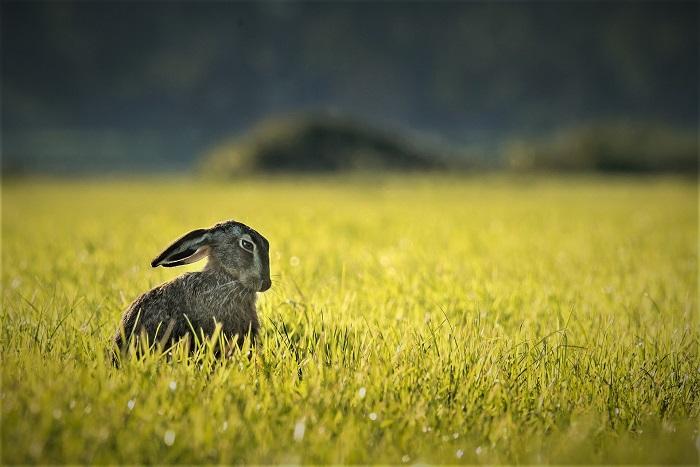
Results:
[412, 320]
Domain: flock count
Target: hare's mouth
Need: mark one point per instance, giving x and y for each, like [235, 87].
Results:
[265, 284]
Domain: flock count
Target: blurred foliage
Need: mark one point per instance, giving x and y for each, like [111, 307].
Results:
[328, 144]
[191, 73]
[315, 144]
[609, 146]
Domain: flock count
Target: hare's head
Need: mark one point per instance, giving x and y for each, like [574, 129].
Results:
[231, 247]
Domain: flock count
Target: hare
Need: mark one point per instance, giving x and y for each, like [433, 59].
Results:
[223, 293]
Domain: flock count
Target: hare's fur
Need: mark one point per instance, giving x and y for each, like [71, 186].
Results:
[222, 294]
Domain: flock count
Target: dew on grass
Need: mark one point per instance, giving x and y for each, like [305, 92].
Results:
[57, 413]
[459, 454]
[294, 261]
[172, 385]
[455, 435]
[169, 438]
[478, 450]
[362, 393]
[299, 429]
[372, 416]
[36, 448]
[130, 405]
[224, 426]
[668, 426]
[405, 458]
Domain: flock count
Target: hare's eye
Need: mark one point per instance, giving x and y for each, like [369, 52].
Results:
[246, 245]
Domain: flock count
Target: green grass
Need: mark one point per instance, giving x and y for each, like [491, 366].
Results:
[412, 319]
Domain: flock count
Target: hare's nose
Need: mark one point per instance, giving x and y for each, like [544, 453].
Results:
[266, 284]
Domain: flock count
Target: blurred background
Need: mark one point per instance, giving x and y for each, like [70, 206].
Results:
[234, 88]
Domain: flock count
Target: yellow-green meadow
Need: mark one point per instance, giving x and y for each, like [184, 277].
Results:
[412, 319]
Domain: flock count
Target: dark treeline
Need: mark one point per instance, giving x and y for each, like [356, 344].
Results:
[124, 84]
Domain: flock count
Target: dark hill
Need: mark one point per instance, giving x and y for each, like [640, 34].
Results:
[315, 144]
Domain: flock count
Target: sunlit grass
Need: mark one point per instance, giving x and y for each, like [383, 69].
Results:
[412, 319]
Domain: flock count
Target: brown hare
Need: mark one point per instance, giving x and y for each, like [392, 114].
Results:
[223, 293]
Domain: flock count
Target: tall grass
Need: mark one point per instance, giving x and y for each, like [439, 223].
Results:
[412, 319]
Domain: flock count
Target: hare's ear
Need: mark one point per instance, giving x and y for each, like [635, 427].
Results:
[188, 249]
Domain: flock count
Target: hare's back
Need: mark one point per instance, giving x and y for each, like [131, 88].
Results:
[160, 309]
